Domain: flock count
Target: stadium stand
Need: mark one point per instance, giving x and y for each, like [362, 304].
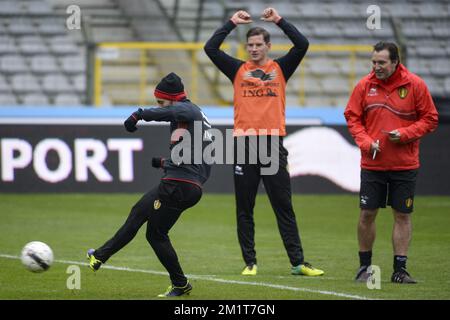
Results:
[421, 26]
[42, 61]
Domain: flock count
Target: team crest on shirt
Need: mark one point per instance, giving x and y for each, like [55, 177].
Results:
[409, 202]
[157, 204]
[260, 74]
[402, 92]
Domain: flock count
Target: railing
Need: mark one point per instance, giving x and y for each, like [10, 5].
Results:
[127, 72]
[351, 49]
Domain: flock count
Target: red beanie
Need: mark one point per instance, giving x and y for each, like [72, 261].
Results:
[170, 88]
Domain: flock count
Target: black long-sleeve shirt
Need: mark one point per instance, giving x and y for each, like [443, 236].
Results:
[230, 65]
[185, 118]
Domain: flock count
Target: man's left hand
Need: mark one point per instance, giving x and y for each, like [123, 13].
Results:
[270, 15]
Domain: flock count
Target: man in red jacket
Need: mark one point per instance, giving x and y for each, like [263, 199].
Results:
[389, 110]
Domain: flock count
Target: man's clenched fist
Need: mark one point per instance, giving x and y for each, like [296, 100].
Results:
[241, 17]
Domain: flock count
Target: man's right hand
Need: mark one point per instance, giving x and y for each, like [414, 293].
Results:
[241, 17]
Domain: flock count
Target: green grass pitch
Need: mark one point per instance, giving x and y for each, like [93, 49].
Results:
[206, 243]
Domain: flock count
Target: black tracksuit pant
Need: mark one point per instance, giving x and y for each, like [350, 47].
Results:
[278, 188]
[160, 208]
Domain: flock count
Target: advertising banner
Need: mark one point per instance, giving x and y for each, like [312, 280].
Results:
[88, 157]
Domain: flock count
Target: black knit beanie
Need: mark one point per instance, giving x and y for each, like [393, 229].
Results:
[170, 88]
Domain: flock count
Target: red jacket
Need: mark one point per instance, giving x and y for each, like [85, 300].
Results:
[402, 102]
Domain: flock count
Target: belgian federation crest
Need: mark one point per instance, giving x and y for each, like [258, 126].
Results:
[157, 204]
[409, 202]
[402, 92]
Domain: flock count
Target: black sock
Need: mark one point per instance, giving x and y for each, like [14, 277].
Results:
[400, 263]
[365, 258]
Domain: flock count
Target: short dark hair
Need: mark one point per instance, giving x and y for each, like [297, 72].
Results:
[389, 46]
[256, 31]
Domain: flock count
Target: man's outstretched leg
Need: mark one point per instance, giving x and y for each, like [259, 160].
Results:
[137, 217]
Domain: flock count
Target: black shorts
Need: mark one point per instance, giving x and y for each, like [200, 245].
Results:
[394, 188]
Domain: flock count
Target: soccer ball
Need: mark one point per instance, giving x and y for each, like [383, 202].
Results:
[37, 256]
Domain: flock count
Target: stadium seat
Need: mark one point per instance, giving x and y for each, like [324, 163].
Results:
[335, 85]
[441, 29]
[7, 99]
[434, 85]
[25, 83]
[386, 32]
[313, 10]
[54, 83]
[447, 85]
[36, 99]
[21, 26]
[344, 10]
[73, 64]
[440, 67]
[64, 99]
[43, 64]
[38, 7]
[311, 85]
[62, 45]
[354, 30]
[32, 45]
[401, 10]
[4, 85]
[327, 30]
[79, 82]
[363, 67]
[317, 100]
[431, 51]
[51, 26]
[416, 29]
[419, 66]
[432, 10]
[8, 44]
[10, 7]
[34, 39]
[323, 67]
[13, 63]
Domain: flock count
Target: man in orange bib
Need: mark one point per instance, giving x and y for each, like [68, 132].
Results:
[259, 115]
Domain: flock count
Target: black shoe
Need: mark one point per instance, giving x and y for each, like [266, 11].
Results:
[402, 276]
[362, 275]
[173, 291]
